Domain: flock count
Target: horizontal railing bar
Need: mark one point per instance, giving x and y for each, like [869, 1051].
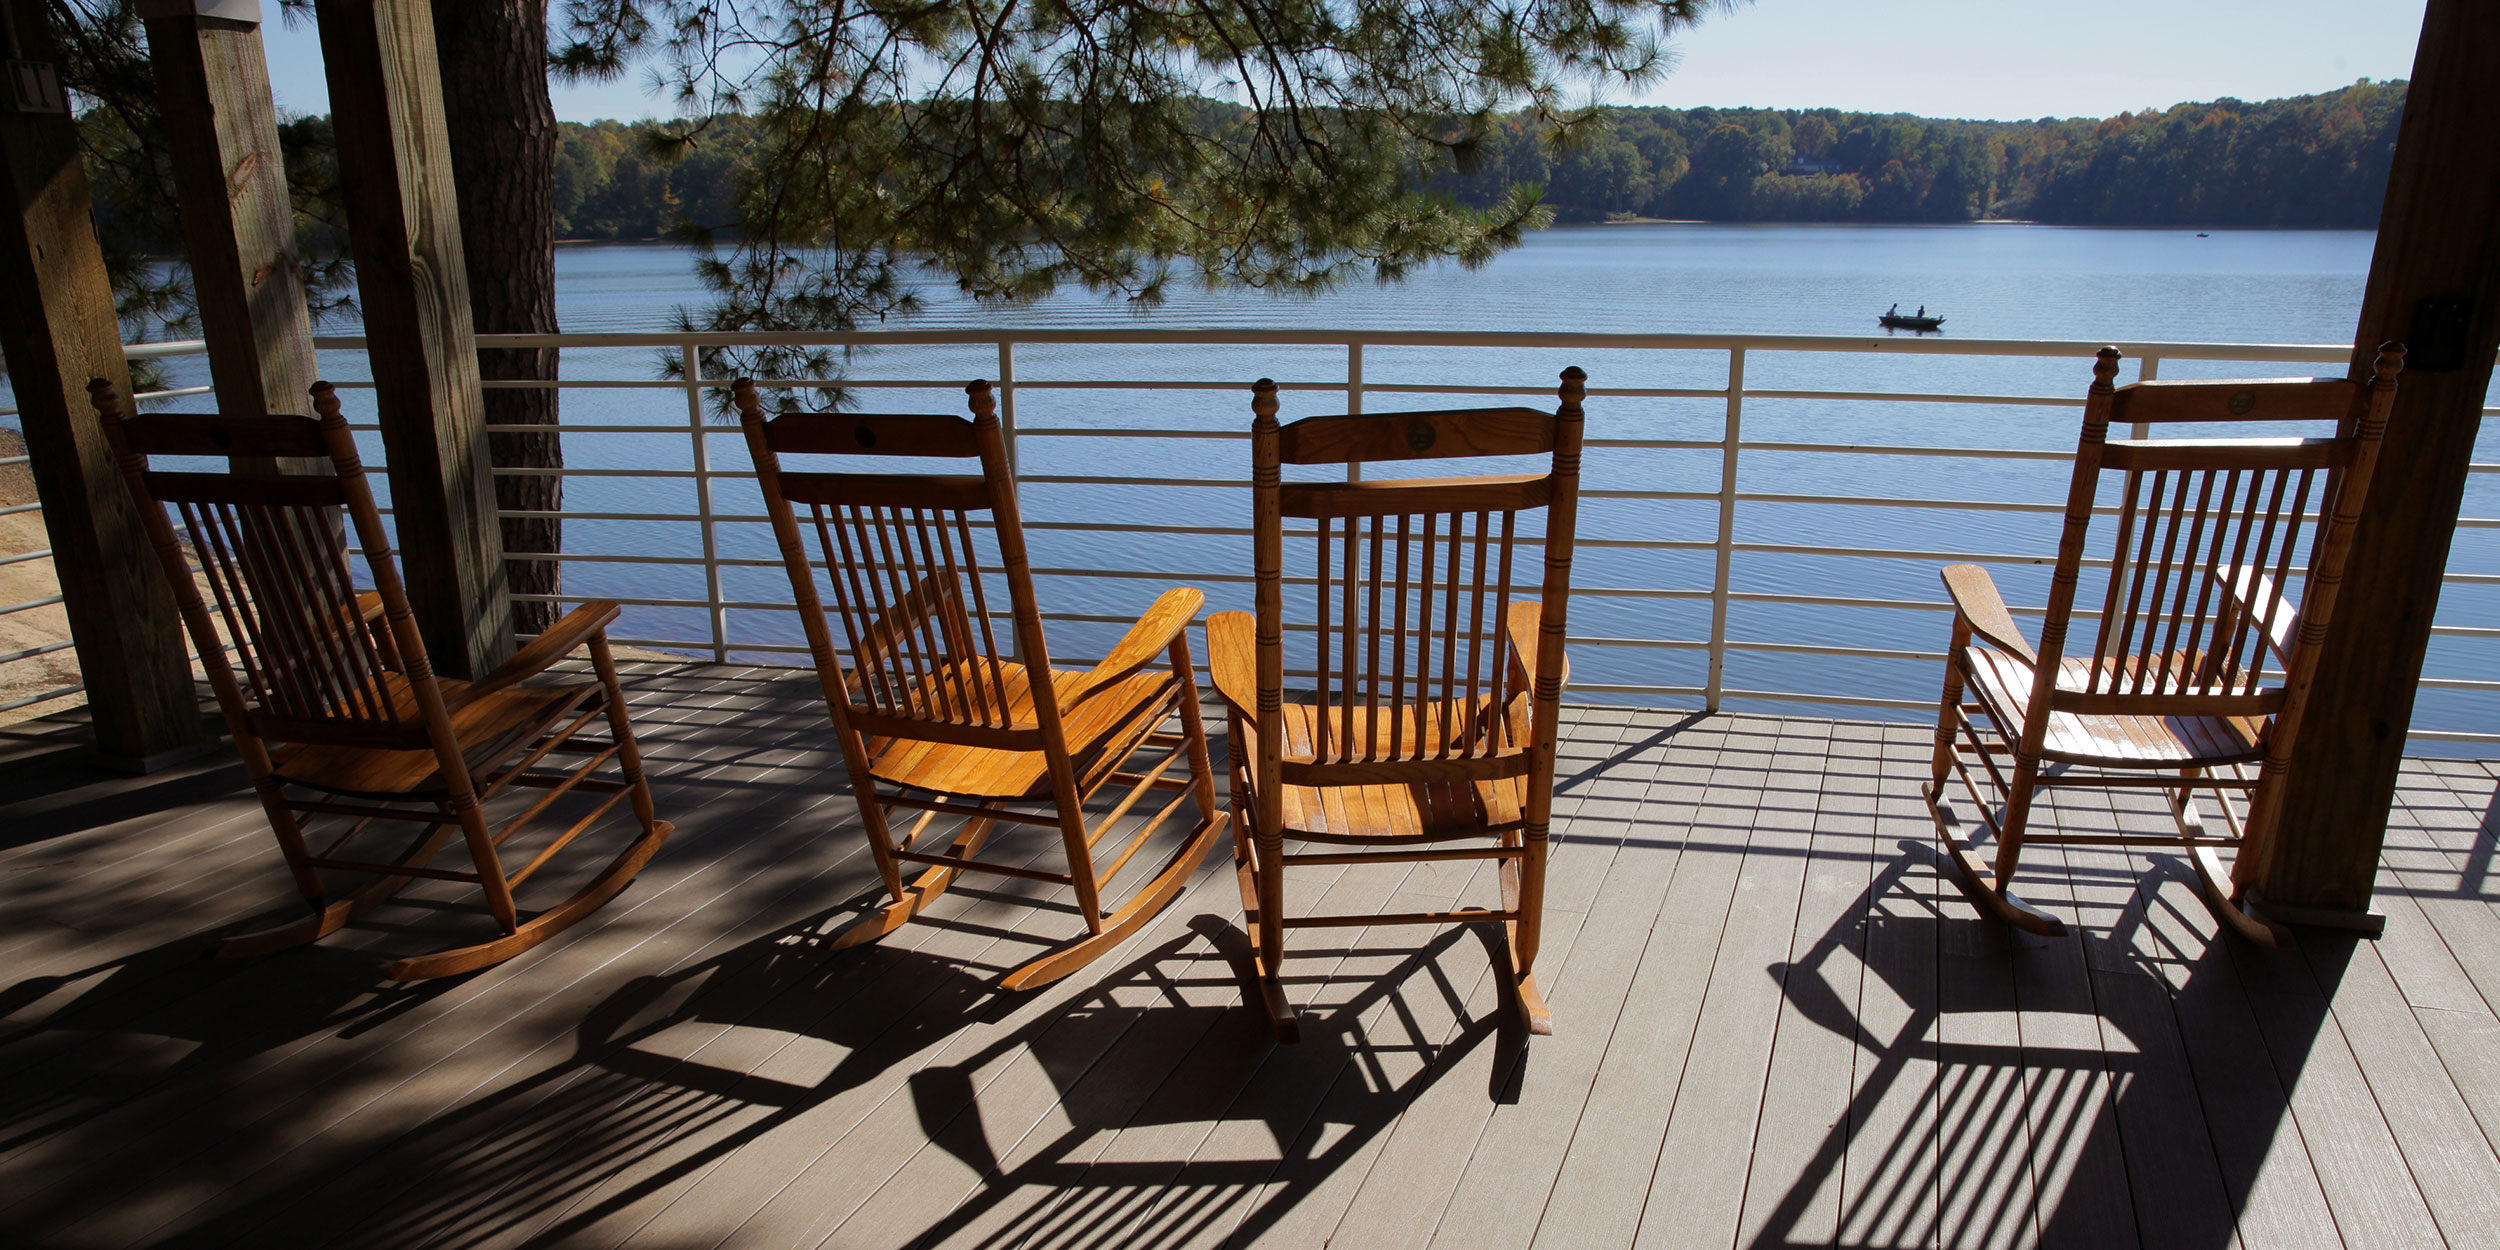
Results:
[2464, 631]
[46, 697]
[2427, 735]
[1878, 501]
[15, 509]
[2455, 683]
[1913, 397]
[23, 556]
[1845, 700]
[1889, 449]
[1879, 553]
[1601, 687]
[31, 652]
[1083, 479]
[1867, 344]
[30, 605]
[1808, 648]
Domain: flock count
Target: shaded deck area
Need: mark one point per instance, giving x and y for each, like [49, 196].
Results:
[1775, 1025]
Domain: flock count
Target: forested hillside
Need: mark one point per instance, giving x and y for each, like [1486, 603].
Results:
[2317, 160]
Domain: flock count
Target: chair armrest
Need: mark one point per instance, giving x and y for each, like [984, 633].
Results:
[1151, 636]
[1524, 627]
[2251, 592]
[1975, 597]
[1233, 660]
[577, 627]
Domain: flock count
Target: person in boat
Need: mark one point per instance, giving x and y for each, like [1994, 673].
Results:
[1922, 309]
[1895, 310]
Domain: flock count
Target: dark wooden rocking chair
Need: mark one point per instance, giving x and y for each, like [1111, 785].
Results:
[336, 711]
[932, 717]
[1438, 695]
[2175, 692]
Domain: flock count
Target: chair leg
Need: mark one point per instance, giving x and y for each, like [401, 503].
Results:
[1151, 898]
[334, 916]
[912, 900]
[628, 752]
[1523, 893]
[2212, 880]
[1988, 886]
[1255, 854]
[472, 818]
[1949, 716]
[290, 834]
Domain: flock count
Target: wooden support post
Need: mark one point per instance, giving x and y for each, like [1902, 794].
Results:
[221, 131]
[2434, 286]
[58, 330]
[386, 107]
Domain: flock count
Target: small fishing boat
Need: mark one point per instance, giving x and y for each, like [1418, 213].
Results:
[1905, 321]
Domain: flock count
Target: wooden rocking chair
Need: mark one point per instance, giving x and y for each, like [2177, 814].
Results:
[336, 711]
[1434, 718]
[2175, 692]
[932, 717]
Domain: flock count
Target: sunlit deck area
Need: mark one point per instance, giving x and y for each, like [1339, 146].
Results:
[1776, 1023]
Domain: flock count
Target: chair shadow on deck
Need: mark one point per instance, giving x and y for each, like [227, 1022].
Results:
[776, 1060]
[2098, 1133]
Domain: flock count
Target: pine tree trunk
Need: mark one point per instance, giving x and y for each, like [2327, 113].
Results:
[503, 127]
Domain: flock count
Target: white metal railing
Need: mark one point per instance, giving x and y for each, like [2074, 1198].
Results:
[1725, 449]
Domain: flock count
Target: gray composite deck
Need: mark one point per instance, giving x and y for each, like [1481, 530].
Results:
[1775, 1025]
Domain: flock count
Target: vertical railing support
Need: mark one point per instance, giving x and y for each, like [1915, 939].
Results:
[1353, 398]
[692, 358]
[1728, 445]
[2146, 367]
[1007, 407]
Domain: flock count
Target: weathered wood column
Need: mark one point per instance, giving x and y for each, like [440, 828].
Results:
[386, 107]
[221, 131]
[2434, 286]
[58, 330]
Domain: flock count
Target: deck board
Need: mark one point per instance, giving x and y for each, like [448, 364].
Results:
[1777, 1024]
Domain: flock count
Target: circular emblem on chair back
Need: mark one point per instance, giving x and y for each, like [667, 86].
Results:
[2241, 402]
[1421, 436]
[864, 436]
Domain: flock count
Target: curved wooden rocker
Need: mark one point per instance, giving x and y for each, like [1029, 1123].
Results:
[1438, 695]
[933, 717]
[2200, 662]
[336, 710]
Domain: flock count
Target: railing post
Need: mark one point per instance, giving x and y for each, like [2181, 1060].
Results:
[1354, 398]
[1007, 406]
[2146, 367]
[1727, 526]
[693, 370]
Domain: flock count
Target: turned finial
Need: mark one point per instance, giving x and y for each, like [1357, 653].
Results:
[1574, 386]
[984, 403]
[325, 399]
[106, 400]
[750, 405]
[1263, 399]
[2390, 362]
[2105, 369]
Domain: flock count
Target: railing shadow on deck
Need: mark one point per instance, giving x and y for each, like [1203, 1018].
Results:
[1978, 1130]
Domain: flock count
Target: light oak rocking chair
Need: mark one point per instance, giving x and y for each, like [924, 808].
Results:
[336, 710]
[1437, 694]
[933, 717]
[2173, 690]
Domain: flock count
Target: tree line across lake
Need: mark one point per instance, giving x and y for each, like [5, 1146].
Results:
[2316, 160]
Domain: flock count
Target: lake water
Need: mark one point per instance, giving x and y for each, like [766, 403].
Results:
[1990, 281]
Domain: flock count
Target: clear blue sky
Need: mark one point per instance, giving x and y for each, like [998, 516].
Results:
[1937, 58]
